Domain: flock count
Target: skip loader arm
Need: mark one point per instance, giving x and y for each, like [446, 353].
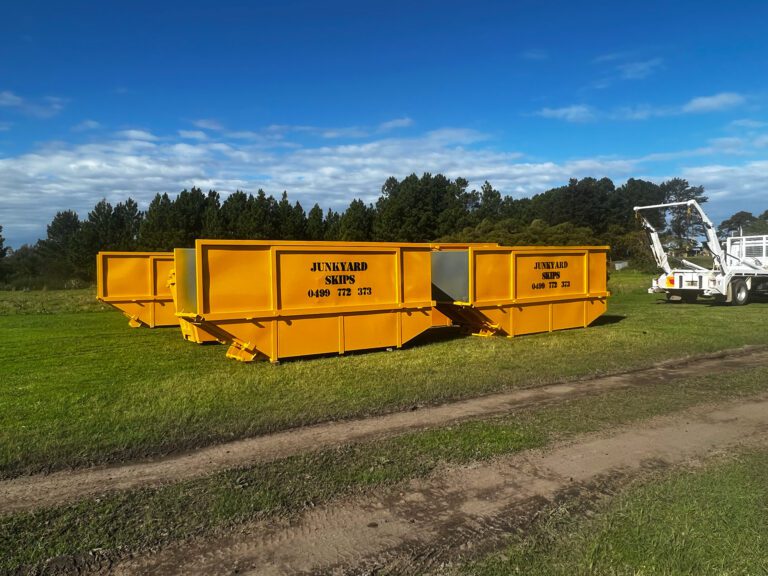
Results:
[713, 243]
[653, 236]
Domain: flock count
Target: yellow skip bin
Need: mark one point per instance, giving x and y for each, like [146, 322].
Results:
[521, 289]
[286, 299]
[136, 284]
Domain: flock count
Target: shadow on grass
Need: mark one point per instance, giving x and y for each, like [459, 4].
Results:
[431, 336]
[608, 319]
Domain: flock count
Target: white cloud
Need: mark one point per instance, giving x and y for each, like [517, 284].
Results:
[396, 123]
[534, 54]
[9, 99]
[345, 132]
[721, 101]
[623, 66]
[86, 125]
[699, 105]
[208, 124]
[42, 108]
[575, 113]
[736, 184]
[612, 57]
[640, 69]
[728, 145]
[136, 163]
[193, 134]
[137, 135]
[748, 123]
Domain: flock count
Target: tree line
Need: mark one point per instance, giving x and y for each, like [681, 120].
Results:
[414, 209]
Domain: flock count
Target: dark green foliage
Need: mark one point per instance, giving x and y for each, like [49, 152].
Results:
[356, 223]
[211, 219]
[237, 214]
[584, 203]
[291, 220]
[157, 231]
[62, 253]
[126, 222]
[422, 209]
[23, 268]
[332, 225]
[744, 223]
[635, 193]
[415, 209]
[315, 224]
[187, 217]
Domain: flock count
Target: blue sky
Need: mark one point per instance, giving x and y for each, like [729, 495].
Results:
[328, 99]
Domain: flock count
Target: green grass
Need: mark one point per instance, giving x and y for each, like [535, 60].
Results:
[150, 517]
[695, 522]
[79, 388]
[49, 301]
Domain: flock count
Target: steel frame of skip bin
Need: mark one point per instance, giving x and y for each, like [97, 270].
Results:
[262, 297]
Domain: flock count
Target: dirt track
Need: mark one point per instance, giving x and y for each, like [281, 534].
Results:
[31, 492]
[442, 517]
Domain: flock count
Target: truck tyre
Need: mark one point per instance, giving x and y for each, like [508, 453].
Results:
[740, 292]
[689, 297]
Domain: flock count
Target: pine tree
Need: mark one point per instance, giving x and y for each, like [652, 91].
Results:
[315, 224]
[126, 223]
[356, 224]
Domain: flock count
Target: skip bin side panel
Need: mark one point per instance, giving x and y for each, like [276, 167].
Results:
[136, 284]
[127, 276]
[416, 275]
[163, 314]
[414, 322]
[370, 330]
[307, 336]
[161, 270]
[530, 319]
[567, 315]
[492, 276]
[235, 278]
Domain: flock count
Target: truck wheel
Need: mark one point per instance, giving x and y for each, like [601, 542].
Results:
[740, 292]
[689, 297]
[674, 297]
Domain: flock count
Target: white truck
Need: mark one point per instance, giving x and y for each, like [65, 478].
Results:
[739, 266]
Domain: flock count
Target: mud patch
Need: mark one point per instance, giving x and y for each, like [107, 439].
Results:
[460, 510]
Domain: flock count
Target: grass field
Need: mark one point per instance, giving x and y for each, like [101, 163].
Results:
[710, 521]
[132, 521]
[80, 387]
